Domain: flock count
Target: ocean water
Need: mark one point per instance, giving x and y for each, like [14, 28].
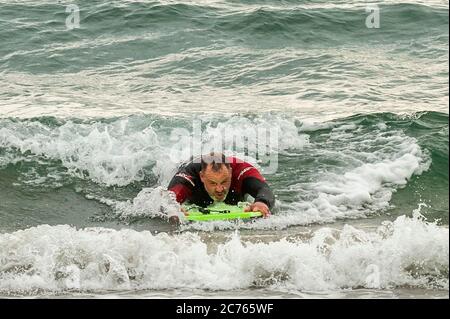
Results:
[95, 119]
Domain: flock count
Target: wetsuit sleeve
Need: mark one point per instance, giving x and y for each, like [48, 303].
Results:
[182, 185]
[182, 192]
[259, 190]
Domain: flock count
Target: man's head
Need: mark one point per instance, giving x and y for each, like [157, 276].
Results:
[216, 175]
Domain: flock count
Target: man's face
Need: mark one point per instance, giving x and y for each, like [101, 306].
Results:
[217, 183]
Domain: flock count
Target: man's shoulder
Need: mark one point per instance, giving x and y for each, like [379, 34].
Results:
[191, 166]
[242, 169]
[237, 163]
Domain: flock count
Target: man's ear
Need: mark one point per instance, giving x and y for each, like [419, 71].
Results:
[201, 174]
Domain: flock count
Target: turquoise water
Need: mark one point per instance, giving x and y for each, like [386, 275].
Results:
[94, 120]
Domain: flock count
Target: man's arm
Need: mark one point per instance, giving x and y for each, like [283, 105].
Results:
[182, 185]
[182, 192]
[261, 192]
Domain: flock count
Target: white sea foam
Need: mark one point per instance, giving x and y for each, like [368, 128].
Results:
[372, 163]
[157, 202]
[124, 151]
[106, 153]
[376, 167]
[408, 251]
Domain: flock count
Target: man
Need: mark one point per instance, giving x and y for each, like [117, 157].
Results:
[216, 178]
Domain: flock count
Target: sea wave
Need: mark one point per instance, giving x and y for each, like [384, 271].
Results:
[407, 252]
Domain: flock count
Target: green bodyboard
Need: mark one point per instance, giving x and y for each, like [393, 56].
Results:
[219, 211]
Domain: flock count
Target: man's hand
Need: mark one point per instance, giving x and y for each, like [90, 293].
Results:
[175, 220]
[258, 207]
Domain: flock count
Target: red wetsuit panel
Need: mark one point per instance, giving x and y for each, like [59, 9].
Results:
[181, 191]
[240, 171]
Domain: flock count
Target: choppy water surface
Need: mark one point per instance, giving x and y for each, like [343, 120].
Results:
[90, 123]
